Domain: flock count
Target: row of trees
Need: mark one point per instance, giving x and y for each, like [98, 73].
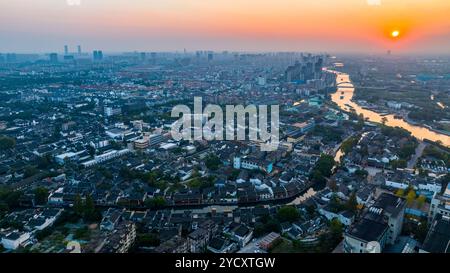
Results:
[411, 196]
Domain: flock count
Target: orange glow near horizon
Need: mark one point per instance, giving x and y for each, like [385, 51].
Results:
[233, 24]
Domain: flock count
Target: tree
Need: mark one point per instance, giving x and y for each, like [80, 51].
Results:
[329, 240]
[400, 192]
[147, 240]
[10, 198]
[3, 208]
[400, 163]
[78, 205]
[361, 173]
[40, 195]
[348, 144]
[30, 171]
[288, 214]
[44, 162]
[90, 213]
[336, 228]
[407, 150]
[421, 200]
[335, 203]
[352, 203]
[317, 177]
[384, 120]
[411, 196]
[212, 162]
[6, 143]
[325, 164]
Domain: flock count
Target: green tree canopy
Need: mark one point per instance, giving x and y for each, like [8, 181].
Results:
[41, 195]
[352, 203]
[6, 143]
[288, 214]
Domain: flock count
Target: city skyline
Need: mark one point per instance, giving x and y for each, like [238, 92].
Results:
[362, 26]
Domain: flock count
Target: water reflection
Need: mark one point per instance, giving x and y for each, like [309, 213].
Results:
[343, 98]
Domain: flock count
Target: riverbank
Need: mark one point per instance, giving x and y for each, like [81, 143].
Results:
[343, 97]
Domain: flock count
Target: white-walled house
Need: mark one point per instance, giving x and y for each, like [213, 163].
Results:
[14, 239]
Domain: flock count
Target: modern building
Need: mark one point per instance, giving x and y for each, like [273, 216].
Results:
[440, 204]
[98, 55]
[53, 57]
[155, 139]
[438, 237]
[15, 239]
[142, 143]
[112, 111]
[381, 223]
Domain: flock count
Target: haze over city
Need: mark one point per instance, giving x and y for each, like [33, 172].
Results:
[255, 25]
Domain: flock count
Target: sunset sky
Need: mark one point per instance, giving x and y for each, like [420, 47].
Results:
[244, 25]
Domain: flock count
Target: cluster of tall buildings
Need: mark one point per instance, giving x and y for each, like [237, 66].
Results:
[308, 68]
[54, 58]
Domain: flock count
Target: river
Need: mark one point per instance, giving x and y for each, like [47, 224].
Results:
[343, 98]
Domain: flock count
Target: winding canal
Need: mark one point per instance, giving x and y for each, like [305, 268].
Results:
[343, 98]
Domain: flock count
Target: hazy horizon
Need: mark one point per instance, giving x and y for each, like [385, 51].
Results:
[347, 26]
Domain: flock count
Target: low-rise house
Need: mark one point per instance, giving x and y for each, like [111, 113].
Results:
[110, 219]
[220, 245]
[270, 240]
[241, 233]
[176, 244]
[198, 240]
[120, 240]
[15, 239]
[345, 217]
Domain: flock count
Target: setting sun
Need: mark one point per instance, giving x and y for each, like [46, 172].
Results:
[395, 33]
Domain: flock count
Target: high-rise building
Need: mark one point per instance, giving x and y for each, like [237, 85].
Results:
[309, 68]
[98, 55]
[53, 57]
[66, 50]
[79, 50]
[143, 56]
